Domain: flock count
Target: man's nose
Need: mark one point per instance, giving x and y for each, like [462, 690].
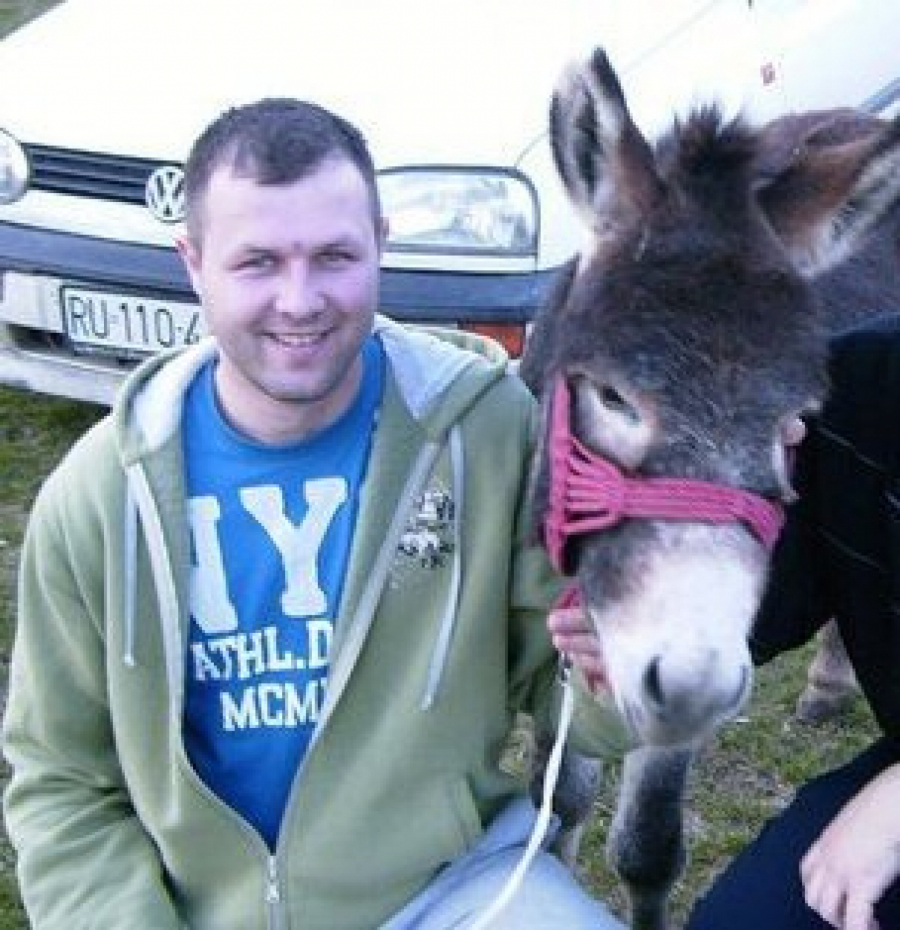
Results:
[298, 290]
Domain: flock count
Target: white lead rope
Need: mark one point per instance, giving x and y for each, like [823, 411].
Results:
[542, 823]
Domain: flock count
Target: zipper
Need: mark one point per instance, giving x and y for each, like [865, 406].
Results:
[273, 896]
[272, 902]
[174, 644]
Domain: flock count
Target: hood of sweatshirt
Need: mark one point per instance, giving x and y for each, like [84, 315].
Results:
[147, 412]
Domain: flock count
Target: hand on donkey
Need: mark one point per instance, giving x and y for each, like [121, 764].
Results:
[574, 636]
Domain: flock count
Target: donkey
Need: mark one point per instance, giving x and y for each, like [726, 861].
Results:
[672, 361]
[867, 282]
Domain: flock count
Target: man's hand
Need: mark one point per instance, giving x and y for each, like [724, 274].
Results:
[574, 635]
[857, 857]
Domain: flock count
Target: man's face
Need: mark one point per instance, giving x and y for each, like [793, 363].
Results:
[288, 278]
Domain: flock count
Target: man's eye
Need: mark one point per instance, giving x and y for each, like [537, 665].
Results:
[337, 257]
[256, 262]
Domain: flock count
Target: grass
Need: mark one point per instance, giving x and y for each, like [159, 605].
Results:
[35, 431]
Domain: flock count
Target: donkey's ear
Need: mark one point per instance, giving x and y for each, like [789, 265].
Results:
[784, 141]
[605, 163]
[823, 200]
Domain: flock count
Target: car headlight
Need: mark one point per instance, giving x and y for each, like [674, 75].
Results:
[468, 211]
[13, 169]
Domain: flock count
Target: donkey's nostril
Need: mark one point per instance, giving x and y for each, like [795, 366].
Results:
[653, 682]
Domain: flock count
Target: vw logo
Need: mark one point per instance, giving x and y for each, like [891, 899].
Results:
[165, 194]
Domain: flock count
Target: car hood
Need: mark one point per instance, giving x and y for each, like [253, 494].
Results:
[143, 77]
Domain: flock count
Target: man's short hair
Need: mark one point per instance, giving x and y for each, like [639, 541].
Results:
[275, 141]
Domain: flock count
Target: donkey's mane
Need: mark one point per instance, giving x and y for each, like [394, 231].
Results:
[710, 161]
[707, 143]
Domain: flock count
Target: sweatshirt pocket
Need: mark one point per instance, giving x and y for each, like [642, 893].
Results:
[439, 823]
[466, 813]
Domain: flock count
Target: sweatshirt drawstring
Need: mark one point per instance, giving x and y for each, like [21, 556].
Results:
[445, 633]
[146, 512]
[131, 529]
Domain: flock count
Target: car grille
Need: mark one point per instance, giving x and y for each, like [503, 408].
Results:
[90, 174]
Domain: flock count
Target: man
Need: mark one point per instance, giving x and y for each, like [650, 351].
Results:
[277, 611]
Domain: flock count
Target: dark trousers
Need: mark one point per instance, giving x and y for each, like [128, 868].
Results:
[762, 887]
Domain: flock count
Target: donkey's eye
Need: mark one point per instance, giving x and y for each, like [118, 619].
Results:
[614, 401]
[611, 397]
[613, 422]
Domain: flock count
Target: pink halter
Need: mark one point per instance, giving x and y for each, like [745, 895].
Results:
[589, 493]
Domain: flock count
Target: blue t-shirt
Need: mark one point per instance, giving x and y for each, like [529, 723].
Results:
[270, 533]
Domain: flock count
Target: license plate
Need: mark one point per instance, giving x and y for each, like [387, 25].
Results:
[124, 324]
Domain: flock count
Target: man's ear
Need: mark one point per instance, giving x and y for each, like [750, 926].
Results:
[190, 255]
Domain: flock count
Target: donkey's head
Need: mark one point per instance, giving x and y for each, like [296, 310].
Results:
[680, 350]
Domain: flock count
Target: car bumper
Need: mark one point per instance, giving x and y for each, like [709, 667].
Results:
[36, 263]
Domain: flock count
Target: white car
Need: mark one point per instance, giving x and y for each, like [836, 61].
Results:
[100, 100]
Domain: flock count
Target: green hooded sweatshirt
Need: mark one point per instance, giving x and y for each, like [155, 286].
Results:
[431, 661]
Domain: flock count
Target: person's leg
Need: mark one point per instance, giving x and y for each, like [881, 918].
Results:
[549, 897]
[762, 886]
